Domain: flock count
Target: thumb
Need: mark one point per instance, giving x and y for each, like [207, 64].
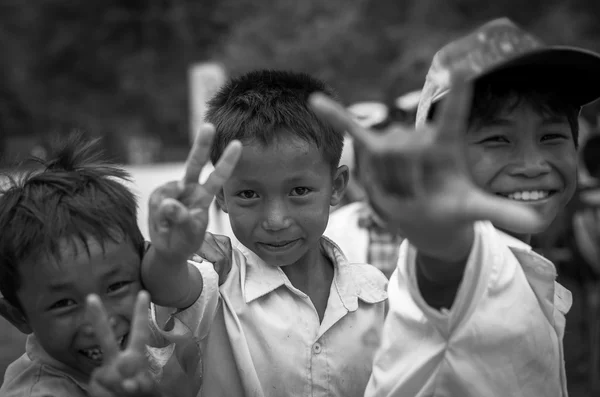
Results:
[503, 213]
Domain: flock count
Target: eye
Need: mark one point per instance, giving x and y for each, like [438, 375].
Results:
[495, 139]
[554, 137]
[63, 303]
[118, 286]
[300, 191]
[247, 194]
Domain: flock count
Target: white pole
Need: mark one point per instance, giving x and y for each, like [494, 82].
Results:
[205, 79]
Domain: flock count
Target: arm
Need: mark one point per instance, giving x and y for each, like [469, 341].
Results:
[439, 279]
[171, 281]
[178, 218]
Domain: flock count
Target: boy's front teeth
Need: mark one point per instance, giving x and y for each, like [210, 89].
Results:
[529, 195]
[94, 354]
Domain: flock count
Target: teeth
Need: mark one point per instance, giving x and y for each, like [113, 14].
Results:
[529, 195]
[94, 353]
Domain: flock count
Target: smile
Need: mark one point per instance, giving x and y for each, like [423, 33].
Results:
[529, 195]
[279, 245]
[95, 353]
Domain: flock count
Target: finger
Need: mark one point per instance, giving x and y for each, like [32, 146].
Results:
[145, 385]
[224, 168]
[130, 385]
[139, 333]
[503, 213]
[104, 382]
[168, 190]
[331, 112]
[171, 212]
[97, 390]
[453, 119]
[199, 153]
[102, 328]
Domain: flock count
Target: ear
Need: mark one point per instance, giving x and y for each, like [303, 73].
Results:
[340, 182]
[220, 197]
[14, 316]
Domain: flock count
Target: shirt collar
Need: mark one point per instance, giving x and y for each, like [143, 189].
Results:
[352, 282]
[36, 352]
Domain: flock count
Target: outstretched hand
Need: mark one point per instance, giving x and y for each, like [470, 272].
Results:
[178, 210]
[418, 180]
[123, 372]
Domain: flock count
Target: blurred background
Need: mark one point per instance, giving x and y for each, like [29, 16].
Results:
[124, 70]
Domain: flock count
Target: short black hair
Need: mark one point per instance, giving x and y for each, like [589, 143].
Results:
[76, 194]
[513, 87]
[257, 106]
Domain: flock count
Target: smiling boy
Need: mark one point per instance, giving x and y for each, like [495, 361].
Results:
[293, 316]
[473, 310]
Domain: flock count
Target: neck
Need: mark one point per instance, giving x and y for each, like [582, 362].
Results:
[526, 238]
[312, 271]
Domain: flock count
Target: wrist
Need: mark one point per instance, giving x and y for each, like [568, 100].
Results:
[447, 263]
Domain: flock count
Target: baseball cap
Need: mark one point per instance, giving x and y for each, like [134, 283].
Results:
[501, 45]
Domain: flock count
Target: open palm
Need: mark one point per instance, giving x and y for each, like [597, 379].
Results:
[418, 181]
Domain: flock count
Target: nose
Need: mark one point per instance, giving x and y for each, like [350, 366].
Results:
[88, 328]
[531, 162]
[276, 216]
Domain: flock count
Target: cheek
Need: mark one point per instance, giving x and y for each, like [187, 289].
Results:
[482, 166]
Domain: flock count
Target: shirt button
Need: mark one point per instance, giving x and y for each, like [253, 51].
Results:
[317, 348]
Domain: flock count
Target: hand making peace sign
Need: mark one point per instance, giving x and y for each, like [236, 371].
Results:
[418, 180]
[123, 373]
[179, 210]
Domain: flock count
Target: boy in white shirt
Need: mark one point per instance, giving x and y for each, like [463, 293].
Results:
[292, 317]
[473, 310]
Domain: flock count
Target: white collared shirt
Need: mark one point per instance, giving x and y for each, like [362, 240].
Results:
[265, 338]
[502, 336]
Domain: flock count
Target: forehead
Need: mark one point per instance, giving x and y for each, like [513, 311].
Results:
[517, 111]
[77, 258]
[286, 156]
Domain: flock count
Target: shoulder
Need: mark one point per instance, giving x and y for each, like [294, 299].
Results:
[26, 378]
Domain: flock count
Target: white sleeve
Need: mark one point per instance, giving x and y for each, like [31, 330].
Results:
[194, 321]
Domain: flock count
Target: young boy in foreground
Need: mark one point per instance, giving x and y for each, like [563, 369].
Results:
[70, 246]
[473, 310]
[292, 317]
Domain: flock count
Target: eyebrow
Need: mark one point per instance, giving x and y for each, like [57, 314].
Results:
[58, 287]
[554, 120]
[293, 179]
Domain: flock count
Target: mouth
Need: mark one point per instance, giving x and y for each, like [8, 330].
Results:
[529, 195]
[279, 245]
[95, 353]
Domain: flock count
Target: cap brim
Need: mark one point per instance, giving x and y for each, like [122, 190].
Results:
[574, 69]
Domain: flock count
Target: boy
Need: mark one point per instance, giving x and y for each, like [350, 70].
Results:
[70, 231]
[293, 316]
[473, 310]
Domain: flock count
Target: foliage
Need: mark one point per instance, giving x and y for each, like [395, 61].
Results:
[119, 68]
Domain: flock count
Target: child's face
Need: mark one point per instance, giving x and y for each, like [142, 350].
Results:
[279, 197]
[53, 298]
[526, 156]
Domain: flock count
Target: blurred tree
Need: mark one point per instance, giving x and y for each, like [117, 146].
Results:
[119, 68]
